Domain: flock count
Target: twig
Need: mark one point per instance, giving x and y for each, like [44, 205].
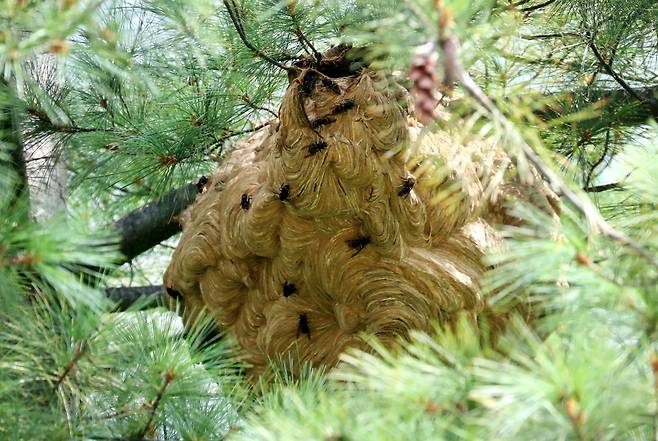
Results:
[553, 35]
[650, 102]
[63, 128]
[265, 109]
[247, 101]
[539, 6]
[39, 158]
[606, 147]
[121, 438]
[575, 417]
[75, 129]
[454, 70]
[218, 142]
[613, 53]
[300, 35]
[602, 188]
[78, 352]
[233, 13]
[168, 378]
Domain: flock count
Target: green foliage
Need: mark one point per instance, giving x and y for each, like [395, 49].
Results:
[100, 376]
[450, 387]
[141, 96]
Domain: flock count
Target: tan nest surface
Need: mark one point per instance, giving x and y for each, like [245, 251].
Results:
[313, 230]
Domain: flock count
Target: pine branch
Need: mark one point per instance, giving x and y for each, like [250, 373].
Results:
[648, 105]
[78, 352]
[220, 141]
[652, 103]
[606, 148]
[247, 99]
[51, 126]
[538, 6]
[142, 229]
[303, 41]
[234, 14]
[549, 36]
[149, 225]
[637, 113]
[168, 378]
[127, 296]
[602, 188]
[449, 44]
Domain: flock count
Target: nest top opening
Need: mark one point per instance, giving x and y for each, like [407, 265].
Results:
[339, 61]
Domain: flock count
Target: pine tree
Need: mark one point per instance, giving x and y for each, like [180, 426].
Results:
[138, 100]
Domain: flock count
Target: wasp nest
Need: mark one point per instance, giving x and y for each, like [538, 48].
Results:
[319, 226]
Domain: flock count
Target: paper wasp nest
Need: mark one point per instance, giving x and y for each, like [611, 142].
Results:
[313, 230]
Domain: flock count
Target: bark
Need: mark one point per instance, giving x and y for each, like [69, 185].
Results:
[127, 296]
[149, 225]
[603, 187]
[141, 230]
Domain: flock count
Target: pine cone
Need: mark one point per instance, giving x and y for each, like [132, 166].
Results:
[423, 74]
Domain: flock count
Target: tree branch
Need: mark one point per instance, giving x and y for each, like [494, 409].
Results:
[539, 6]
[303, 41]
[127, 296]
[50, 125]
[643, 99]
[219, 143]
[247, 101]
[634, 113]
[450, 46]
[602, 188]
[79, 350]
[551, 35]
[149, 225]
[606, 148]
[234, 14]
[168, 378]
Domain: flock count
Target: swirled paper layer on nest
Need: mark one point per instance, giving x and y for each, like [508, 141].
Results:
[313, 230]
